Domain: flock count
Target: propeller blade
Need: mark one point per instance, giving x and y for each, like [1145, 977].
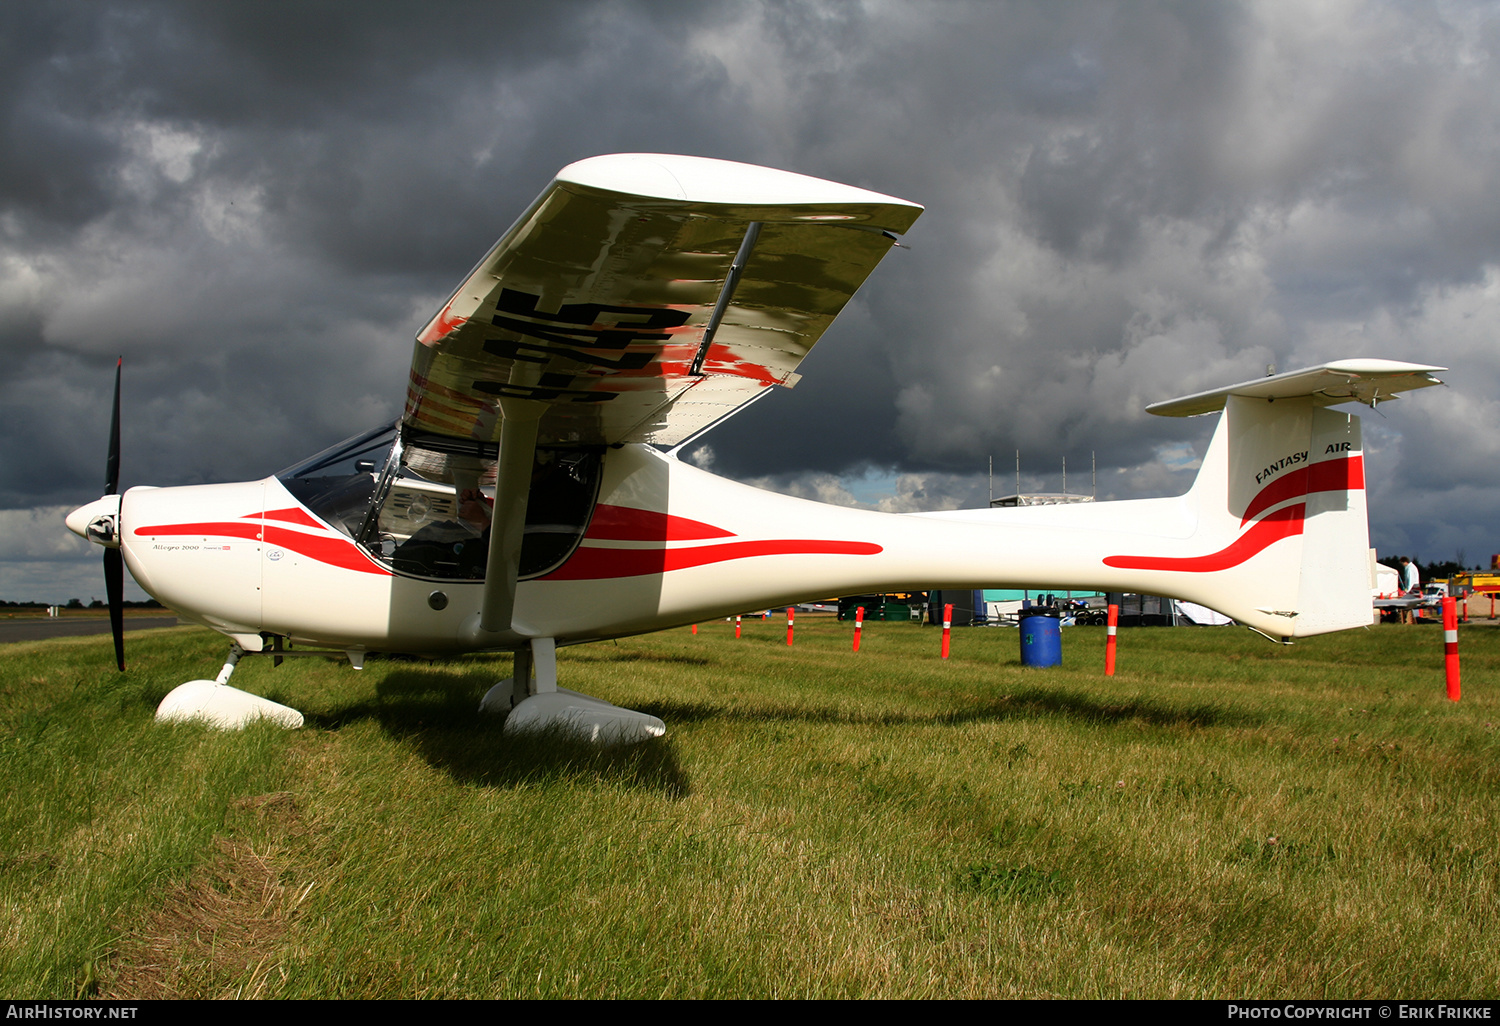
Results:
[114, 587]
[114, 562]
[112, 464]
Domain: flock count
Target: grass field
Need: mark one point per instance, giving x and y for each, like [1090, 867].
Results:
[1224, 818]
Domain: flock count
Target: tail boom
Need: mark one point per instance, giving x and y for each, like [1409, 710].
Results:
[1273, 533]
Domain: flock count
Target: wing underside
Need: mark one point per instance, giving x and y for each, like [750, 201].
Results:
[644, 297]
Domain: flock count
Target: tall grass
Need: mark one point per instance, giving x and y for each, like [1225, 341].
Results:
[1224, 818]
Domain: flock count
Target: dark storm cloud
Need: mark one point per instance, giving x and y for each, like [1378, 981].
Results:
[259, 203]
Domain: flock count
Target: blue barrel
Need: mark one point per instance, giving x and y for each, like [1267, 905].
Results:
[1041, 641]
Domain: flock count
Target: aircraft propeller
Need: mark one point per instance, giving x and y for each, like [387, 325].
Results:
[114, 562]
[99, 522]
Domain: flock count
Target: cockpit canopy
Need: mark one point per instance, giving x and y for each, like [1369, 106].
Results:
[421, 503]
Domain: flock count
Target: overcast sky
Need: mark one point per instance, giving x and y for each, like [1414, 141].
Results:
[258, 204]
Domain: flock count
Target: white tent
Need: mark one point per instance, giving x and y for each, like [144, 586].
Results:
[1387, 582]
[1200, 615]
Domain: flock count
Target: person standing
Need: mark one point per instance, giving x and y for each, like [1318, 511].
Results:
[1411, 584]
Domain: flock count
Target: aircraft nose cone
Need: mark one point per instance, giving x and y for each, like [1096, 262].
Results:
[79, 520]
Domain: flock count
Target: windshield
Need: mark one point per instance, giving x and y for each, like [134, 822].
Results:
[338, 482]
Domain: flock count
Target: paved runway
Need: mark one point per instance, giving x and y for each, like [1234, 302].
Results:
[41, 628]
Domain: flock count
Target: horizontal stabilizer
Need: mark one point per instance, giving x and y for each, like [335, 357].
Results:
[1366, 381]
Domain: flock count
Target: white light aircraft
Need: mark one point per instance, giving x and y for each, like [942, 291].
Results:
[530, 495]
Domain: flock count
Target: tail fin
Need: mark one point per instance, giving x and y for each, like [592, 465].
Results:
[1280, 499]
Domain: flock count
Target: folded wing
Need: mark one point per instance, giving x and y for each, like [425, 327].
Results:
[643, 297]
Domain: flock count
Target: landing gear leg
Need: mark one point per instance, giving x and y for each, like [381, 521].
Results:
[536, 703]
[513, 690]
[229, 664]
[217, 704]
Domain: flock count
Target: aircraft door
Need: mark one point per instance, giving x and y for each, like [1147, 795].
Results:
[434, 511]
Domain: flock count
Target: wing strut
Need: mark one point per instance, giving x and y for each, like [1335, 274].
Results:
[731, 282]
[518, 431]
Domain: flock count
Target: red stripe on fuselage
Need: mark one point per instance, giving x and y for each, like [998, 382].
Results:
[1284, 523]
[624, 523]
[291, 516]
[1341, 475]
[339, 552]
[592, 564]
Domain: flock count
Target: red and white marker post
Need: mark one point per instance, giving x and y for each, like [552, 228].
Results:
[1450, 646]
[695, 628]
[788, 625]
[947, 627]
[859, 625]
[736, 626]
[1109, 640]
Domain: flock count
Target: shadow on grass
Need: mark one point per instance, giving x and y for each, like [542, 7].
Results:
[606, 655]
[435, 713]
[438, 717]
[1022, 705]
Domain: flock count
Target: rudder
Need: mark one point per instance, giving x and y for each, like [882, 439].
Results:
[1293, 497]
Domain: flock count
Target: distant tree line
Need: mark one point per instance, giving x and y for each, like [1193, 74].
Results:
[78, 604]
[1431, 571]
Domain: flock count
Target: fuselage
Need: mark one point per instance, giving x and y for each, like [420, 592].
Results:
[666, 544]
